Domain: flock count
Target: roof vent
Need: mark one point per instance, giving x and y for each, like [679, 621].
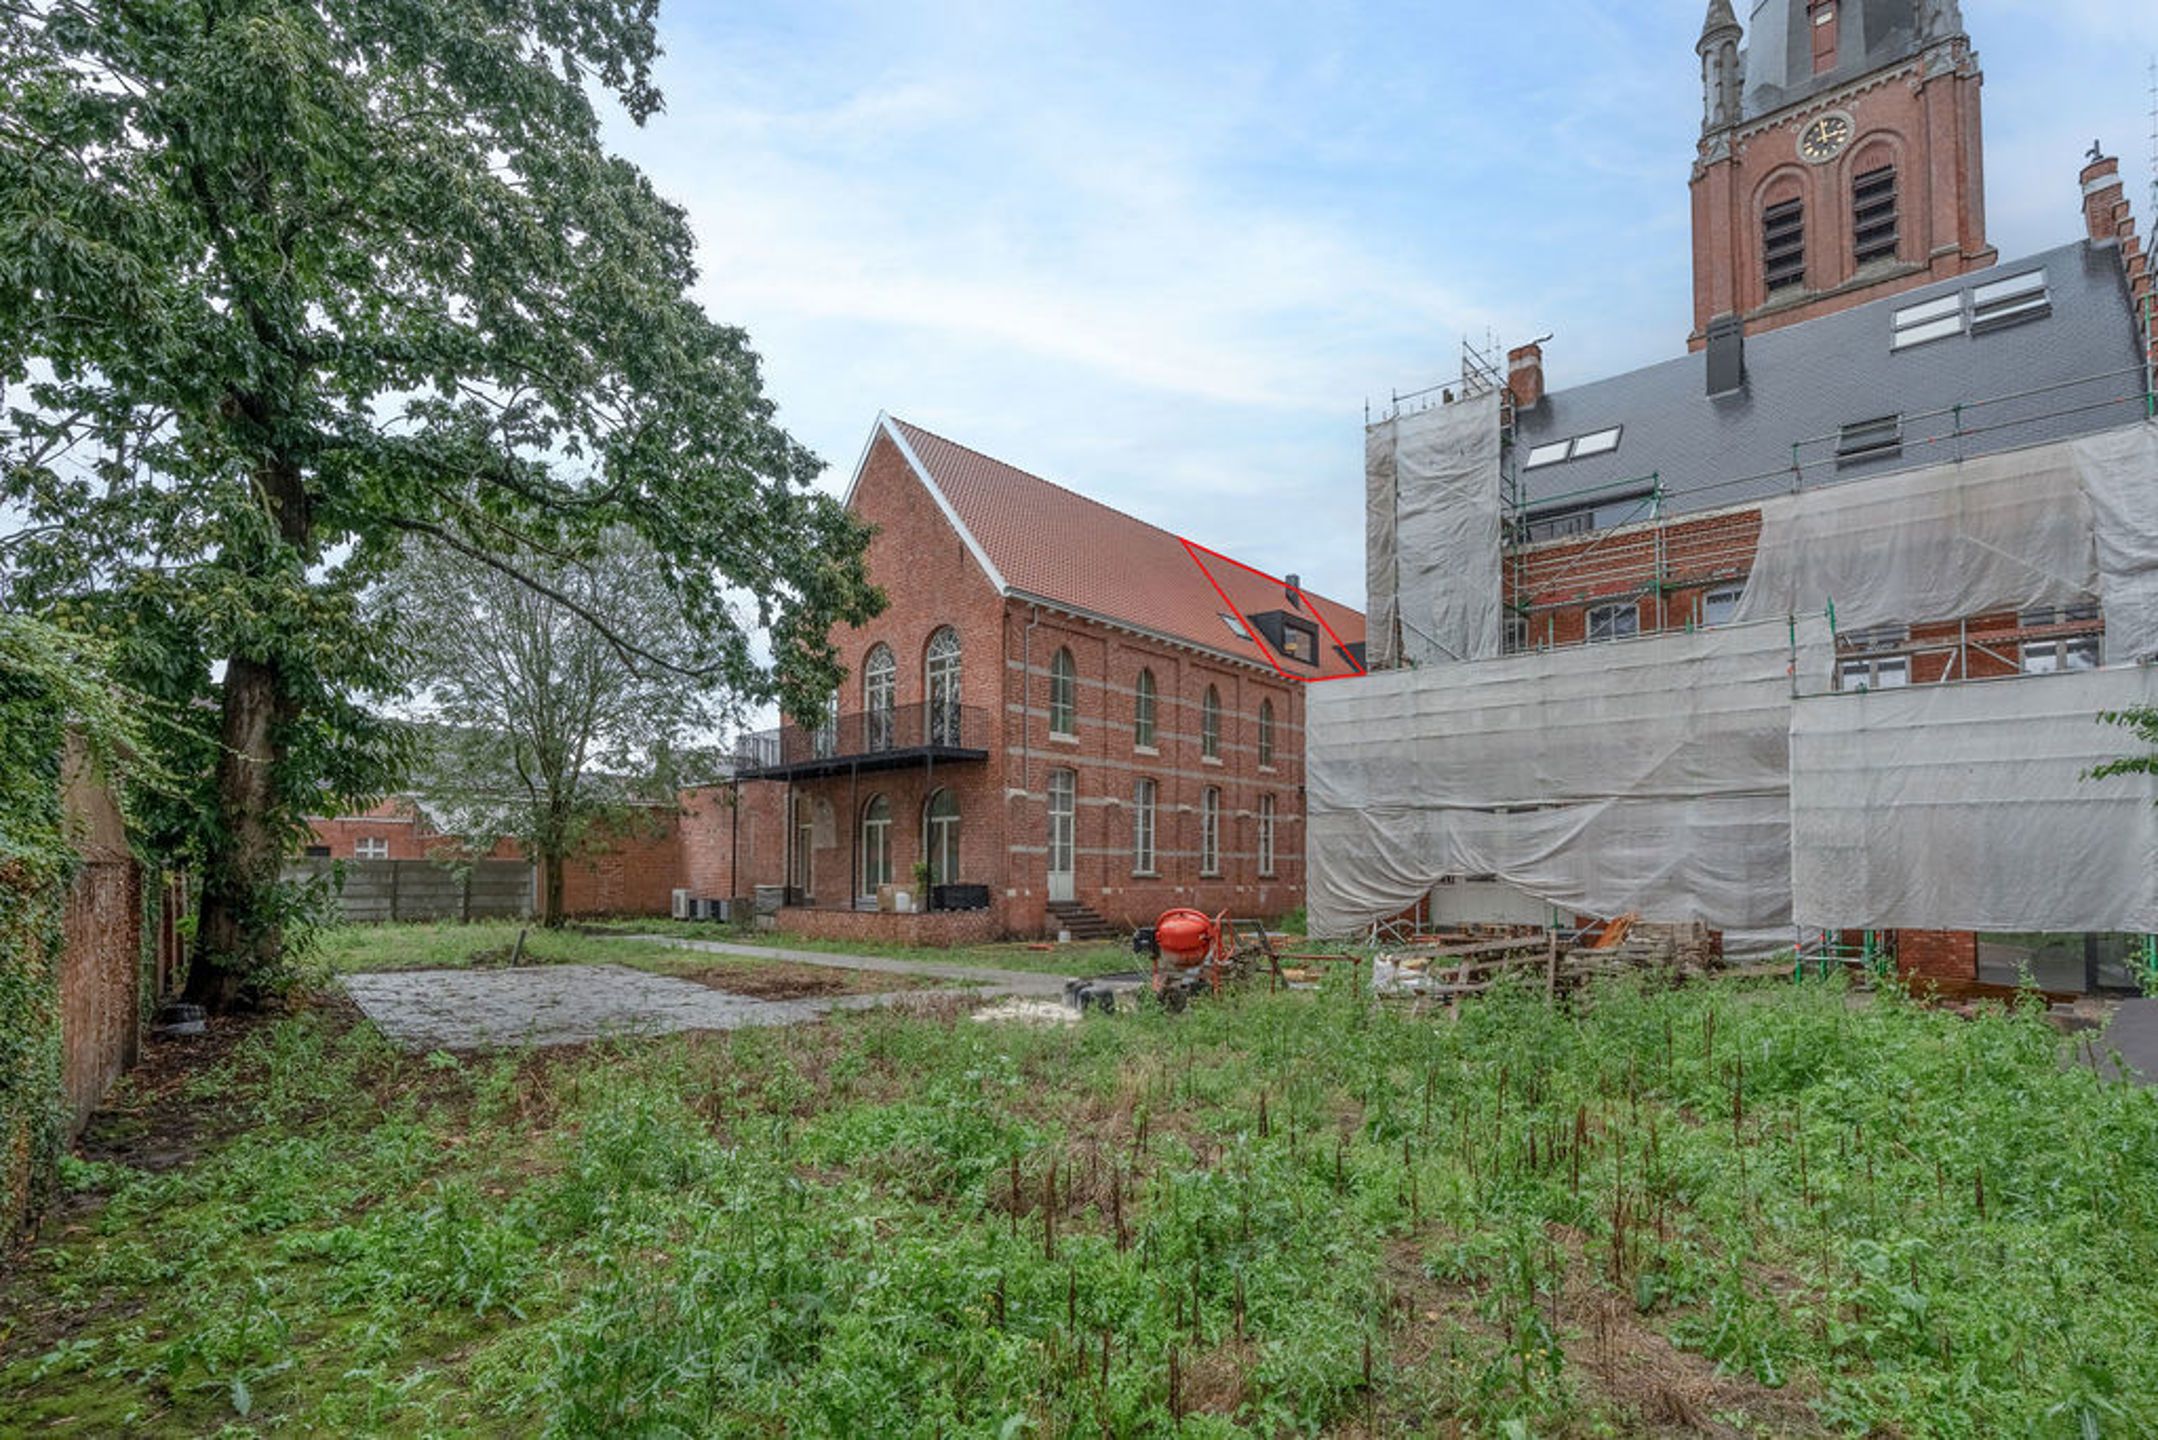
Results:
[1726, 355]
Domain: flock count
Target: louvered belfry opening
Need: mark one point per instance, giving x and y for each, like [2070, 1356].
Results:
[1873, 215]
[1783, 245]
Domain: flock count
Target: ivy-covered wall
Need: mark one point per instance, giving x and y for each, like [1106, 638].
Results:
[36, 864]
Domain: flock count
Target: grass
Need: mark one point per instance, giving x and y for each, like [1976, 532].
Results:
[1762, 1209]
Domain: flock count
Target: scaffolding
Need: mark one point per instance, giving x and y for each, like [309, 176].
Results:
[1634, 558]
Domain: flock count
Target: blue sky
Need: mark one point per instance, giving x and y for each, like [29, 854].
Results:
[1165, 253]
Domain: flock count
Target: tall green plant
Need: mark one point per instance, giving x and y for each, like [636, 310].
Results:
[283, 285]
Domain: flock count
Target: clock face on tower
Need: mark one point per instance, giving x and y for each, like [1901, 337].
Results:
[1825, 138]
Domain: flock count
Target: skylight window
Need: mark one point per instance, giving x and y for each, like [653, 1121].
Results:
[1603, 442]
[1578, 447]
[1933, 320]
[1236, 627]
[2010, 302]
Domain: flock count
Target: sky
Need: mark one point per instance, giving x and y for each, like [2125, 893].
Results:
[1167, 253]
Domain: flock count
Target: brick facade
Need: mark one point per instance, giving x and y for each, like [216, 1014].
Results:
[1007, 649]
[1938, 954]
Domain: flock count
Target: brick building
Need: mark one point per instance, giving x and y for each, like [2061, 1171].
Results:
[1852, 328]
[1069, 715]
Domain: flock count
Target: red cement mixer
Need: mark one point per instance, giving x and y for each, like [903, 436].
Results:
[1192, 948]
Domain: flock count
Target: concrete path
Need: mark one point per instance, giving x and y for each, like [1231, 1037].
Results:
[2133, 1036]
[990, 982]
[563, 1005]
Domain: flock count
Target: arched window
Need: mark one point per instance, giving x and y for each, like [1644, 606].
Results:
[940, 837]
[1142, 711]
[876, 843]
[1210, 832]
[942, 689]
[880, 674]
[1266, 732]
[1210, 725]
[1063, 694]
[1783, 245]
[1266, 835]
[1143, 802]
[1873, 215]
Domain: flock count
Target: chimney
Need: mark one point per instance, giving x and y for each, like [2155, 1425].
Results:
[1525, 375]
[2102, 192]
[1726, 355]
[1292, 590]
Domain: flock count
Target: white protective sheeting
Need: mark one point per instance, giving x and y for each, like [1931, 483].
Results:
[1382, 579]
[2119, 471]
[1964, 807]
[1447, 529]
[2002, 532]
[1649, 775]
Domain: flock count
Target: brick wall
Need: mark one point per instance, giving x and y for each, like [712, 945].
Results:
[100, 981]
[1939, 954]
[956, 927]
[716, 839]
[632, 871]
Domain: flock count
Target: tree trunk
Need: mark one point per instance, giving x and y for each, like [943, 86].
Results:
[238, 935]
[551, 891]
[234, 938]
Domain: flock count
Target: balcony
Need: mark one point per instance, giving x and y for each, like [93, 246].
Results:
[866, 741]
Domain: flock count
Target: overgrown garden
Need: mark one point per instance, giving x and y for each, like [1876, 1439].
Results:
[1778, 1210]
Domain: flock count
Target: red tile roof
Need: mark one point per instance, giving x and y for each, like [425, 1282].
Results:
[1047, 542]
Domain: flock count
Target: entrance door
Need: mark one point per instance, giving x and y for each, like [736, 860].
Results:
[805, 841]
[1063, 791]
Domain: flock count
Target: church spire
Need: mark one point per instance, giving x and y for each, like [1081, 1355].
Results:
[1720, 77]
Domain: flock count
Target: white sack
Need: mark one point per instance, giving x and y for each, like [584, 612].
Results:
[1649, 775]
[1448, 530]
[2001, 532]
[2119, 471]
[1963, 807]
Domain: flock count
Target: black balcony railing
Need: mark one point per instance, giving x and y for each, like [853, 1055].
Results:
[867, 739]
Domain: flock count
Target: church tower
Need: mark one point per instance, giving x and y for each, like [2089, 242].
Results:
[1840, 158]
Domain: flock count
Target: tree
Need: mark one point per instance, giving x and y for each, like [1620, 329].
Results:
[542, 730]
[282, 285]
[2142, 721]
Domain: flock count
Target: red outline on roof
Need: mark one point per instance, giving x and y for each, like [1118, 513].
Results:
[1194, 549]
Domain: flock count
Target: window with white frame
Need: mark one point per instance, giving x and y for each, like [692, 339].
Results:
[1063, 695]
[876, 843]
[1877, 672]
[1517, 634]
[1210, 724]
[1210, 832]
[941, 688]
[2050, 657]
[1266, 733]
[1266, 835]
[940, 837]
[880, 674]
[1144, 800]
[371, 847]
[1614, 622]
[1142, 711]
[1719, 605]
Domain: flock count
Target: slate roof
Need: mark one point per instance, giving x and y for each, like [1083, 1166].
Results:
[1044, 542]
[1807, 381]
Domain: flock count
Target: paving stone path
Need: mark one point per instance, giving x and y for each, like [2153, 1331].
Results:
[987, 982]
[562, 1005]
